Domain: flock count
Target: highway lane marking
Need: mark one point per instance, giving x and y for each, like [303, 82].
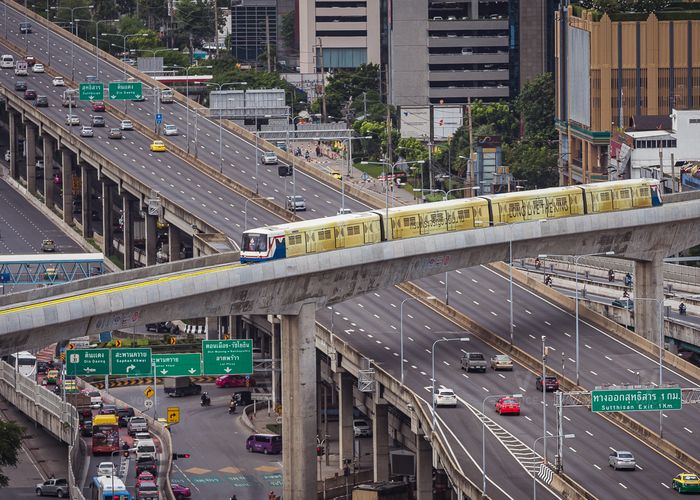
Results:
[666, 486]
[465, 375]
[458, 292]
[475, 281]
[521, 389]
[549, 324]
[502, 376]
[427, 327]
[572, 449]
[594, 465]
[360, 305]
[688, 430]
[494, 313]
[446, 363]
[527, 311]
[409, 316]
[638, 467]
[567, 334]
[572, 360]
[475, 302]
[625, 487]
[587, 346]
[393, 327]
[567, 418]
[589, 433]
[531, 336]
[411, 339]
[593, 373]
[484, 388]
[528, 418]
[491, 290]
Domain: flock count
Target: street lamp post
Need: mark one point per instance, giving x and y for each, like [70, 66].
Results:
[576, 259]
[124, 39]
[432, 352]
[97, 43]
[187, 101]
[401, 327]
[534, 474]
[544, 397]
[483, 436]
[221, 86]
[257, 156]
[72, 26]
[245, 209]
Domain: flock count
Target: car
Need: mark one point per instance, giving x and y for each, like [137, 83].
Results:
[296, 203]
[361, 428]
[140, 98]
[72, 120]
[622, 460]
[161, 327]
[86, 131]
[38, 68]
[551, 383]
[169, 130]
[136, 425]
[30, 94]
[95, 399]
[53, 487]
[624, 303]
[108, 410]
[30, 60]
[115, 133]
[124, 415]
[146, 463]
[142, 436]
[686, 483]
[501, 362]
[234, 381]
[473, 361]
[508, 405]
[43, 366]
[158, 147]
[445, 397]
[86, 428]
[98, 106]
[147, 490]
[126, 125]
[344, 211]
[25, 27]
[336, 174]
[180, 492]
[47, 245]
[145, 476]
[20, 85]
[106, 469]
[98, 121]
[41, 101]
[58, 81]
[269, 158]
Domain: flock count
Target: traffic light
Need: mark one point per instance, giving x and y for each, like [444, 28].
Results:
[180, 455]
[320, 451]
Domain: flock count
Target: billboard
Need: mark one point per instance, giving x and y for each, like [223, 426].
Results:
[415, 121]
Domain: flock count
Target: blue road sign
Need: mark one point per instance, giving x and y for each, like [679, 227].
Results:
[159, 118]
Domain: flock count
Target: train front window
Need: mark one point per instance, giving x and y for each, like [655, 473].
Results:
[255, 242]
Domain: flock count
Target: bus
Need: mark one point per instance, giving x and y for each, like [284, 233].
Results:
[108, 488]
[24, 363]
[105, 434]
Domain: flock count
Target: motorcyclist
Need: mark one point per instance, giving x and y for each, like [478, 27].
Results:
[538, 263]
[625, 294]
[232, 406]
[307, 155]
[628, 279]
[205, 401]
[682, 309]
[611, 275]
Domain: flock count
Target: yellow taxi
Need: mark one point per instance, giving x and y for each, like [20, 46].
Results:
[336, 174]
[158, 147]
[686, 482]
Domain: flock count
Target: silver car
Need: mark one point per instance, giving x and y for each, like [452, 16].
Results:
[86, 132]
[53, 487]
[622, 460]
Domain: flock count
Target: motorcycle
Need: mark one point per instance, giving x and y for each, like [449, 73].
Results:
[205, 400]
[682, 309]
[232, 407]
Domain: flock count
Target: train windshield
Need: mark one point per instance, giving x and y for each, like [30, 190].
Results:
[254, 242]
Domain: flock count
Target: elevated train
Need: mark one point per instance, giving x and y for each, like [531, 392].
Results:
[376, 226]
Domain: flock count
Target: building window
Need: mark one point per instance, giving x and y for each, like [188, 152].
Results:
[341, 58]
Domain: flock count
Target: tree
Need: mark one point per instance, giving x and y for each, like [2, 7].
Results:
[536, 106]
[10, 443]
[617, 6]
[498, 115]
[535, 163]
[344, 85]
[288, 28]
[195, 17]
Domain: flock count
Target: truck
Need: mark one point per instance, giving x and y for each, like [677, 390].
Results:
[68, 99]
[21, 68]
[167, 96]
[80, 400]
[180, 386]
[472, 361]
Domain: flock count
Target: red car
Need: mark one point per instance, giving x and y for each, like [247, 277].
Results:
[235, 381]
[98, 106]
[145, 476]
[180, 491]
[508, 405]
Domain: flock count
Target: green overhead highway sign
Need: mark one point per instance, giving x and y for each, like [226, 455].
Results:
[125, 91]
[227, 356]
[636, 400]
[86, 362]
[92, 91]
[172, 365]
[131, 361]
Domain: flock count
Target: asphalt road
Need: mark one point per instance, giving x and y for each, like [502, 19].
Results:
[490, 306]
[219, 465]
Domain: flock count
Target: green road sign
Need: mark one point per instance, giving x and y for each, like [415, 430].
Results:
[125, 91]
[172, 365]
[86, 362]
[227, 356]
[92, 91]
[133, 362]
[636, 400]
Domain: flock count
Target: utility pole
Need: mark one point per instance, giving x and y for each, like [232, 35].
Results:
[267, 41]
[471, 143]
[364, 104]
[389, 144]
[216, 28]
[323, 82]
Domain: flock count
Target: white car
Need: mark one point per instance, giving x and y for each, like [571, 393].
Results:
[169, 130]
[58, 82]
[106, 469]
[269, 158]
[86, 132]
[361, 428]
[622, 460]
[38, 68]
[95, 399]
[72, 120]
[126, 125]
[445, 397]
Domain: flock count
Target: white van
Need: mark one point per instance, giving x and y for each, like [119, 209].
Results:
[21, 68]
[145, 448]
[7, 61]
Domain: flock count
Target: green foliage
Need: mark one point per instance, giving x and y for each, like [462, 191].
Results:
[195, 19]
[617, 6]
[537, 164]
[498, 115]
[347, 85]
[536, 105]
[10, 443]
[411, 149]
[288, 28]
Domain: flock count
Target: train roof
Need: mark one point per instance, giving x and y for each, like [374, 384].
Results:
[306, 224]
[436, 205]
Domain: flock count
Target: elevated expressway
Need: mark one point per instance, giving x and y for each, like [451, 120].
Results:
[294, 288]
[204, 189]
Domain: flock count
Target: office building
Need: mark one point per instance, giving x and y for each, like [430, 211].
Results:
[253, 27]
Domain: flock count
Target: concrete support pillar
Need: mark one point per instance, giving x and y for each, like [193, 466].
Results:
[345, 406]
[107, 246]
[212, 327]
[276, 361]
[151, 239]
[128, 216]
[66, 175]
[86, 201]
[233, 327]
[30, 134]
[380, 441]
[299, 403]
[13, 119]
[649, 284]
[173, 243]
[424, 468]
